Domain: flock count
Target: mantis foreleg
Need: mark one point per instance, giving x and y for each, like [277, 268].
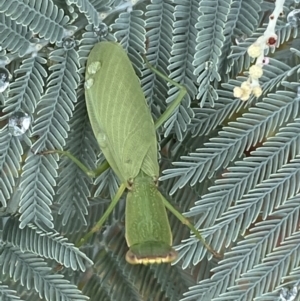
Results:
[171, 108]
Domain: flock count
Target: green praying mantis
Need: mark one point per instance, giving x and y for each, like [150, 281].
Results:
[125, 131]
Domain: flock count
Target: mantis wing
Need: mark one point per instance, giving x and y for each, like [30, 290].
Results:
[118, 112]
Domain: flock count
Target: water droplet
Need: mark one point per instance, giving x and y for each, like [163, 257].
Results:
[102, 139]
[208, 65]
[94, 67]
[88, 83]
[68, 43]
[4, 79]
[240, 39]
[289, 294]
[101, 30]
[293, 18]
[18, 123]
[103, 15]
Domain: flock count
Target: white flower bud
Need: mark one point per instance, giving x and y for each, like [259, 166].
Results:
[237, 92]
[245, 96]
[257, 91]
[255, 72]
[255, 50]
[246, 87]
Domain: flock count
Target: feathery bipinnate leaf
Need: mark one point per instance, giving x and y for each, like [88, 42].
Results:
[87, 7]
[13, 36]
[41, 17]
[242, 21]
[210, 40]
[26, 90]
[234, 139]
[73, 185]
[45, 244]
[51, 126]
[32, 272]
[180, 65]
[7, 294]
[173, 35]
[10, 157]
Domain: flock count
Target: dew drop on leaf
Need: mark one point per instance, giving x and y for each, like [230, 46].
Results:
[89, 83]
[68, 43]
[101, 30]
[102, 140]
[208, 65]
[94, 67]
[289, 294]
[293, 18]
[4, 79]
[240, 39]
[18, 123]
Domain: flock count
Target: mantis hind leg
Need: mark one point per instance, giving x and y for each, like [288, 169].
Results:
[185, 221]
